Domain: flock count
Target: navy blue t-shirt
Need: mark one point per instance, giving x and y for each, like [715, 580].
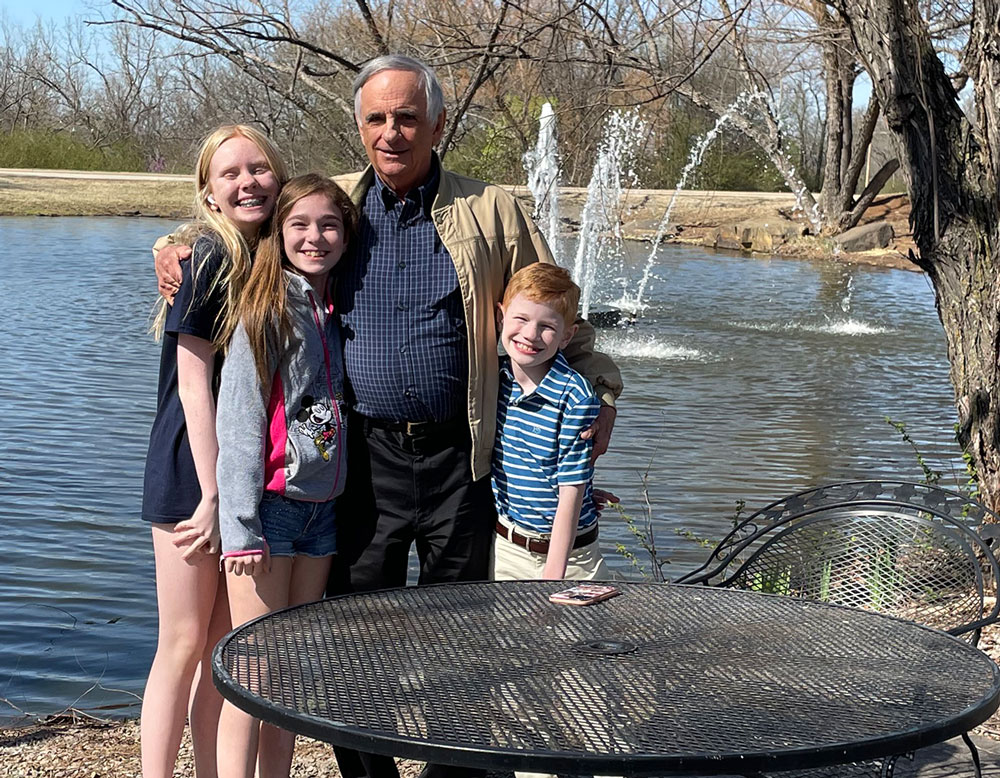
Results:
[170, 487]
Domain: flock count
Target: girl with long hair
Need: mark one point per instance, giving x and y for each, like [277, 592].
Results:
[239, 173]
[281, 427]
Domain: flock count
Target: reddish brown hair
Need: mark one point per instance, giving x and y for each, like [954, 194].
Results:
[548, 284]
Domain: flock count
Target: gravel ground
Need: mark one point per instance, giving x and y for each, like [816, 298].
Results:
[67, 749]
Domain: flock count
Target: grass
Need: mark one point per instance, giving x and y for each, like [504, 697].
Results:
[22, 196]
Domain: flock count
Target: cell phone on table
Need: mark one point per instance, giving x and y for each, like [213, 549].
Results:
[584, 594]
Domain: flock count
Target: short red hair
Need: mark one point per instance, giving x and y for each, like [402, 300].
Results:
[548, 284]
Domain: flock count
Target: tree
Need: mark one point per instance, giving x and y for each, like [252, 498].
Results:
[814, 23]
[311, 58]
[952, 169]
[846, 146]
[587, 56]
[23, 99]
[753, 53]
[261, 41]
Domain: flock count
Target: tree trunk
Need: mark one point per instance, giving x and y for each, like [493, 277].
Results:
[849, 218]
[846, 149]
[951, 173]
[839, 103]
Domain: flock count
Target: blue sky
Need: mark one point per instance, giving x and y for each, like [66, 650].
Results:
[25, 13]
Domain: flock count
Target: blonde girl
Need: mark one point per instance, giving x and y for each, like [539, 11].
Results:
[238, 175]
[282, 457]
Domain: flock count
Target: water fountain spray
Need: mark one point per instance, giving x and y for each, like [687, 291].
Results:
[542, 167]
[740, 106]
[742, 103]
[601, 240]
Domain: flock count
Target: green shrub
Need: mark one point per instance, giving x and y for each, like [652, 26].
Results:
[52, 149]
[491, 153]
[731, 162]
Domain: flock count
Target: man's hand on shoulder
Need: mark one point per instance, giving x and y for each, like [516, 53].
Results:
[167, 263]
[603, 498]
[600, 431]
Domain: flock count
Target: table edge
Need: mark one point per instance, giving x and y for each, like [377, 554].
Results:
[604, 764]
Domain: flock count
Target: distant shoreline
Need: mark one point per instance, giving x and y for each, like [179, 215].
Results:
[34, 192]
[87, 193]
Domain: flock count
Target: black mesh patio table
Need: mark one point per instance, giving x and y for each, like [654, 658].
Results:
[663, 679]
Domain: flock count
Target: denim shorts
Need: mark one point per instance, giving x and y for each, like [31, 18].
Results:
[296, 527]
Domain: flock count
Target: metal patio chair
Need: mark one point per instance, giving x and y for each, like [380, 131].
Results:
[905, 549]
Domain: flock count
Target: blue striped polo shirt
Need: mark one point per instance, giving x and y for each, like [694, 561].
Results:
[405, 339]
[538, 446]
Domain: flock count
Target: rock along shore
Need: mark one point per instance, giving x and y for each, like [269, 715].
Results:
[762, 223]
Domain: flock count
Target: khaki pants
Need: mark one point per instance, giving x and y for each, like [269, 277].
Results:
[510, 562]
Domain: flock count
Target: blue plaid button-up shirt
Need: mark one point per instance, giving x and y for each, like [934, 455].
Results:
[406, 346]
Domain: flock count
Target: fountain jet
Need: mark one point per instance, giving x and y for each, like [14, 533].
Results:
[542, 167]
[601, 240]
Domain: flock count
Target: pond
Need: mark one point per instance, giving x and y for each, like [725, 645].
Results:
[745, 378]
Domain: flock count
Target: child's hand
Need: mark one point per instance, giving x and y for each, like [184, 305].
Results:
[200, 532]
[250, 564]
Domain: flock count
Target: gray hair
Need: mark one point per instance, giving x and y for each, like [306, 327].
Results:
[432, 87]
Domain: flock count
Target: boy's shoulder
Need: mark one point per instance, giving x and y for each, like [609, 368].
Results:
[561, 386]
[567, 383]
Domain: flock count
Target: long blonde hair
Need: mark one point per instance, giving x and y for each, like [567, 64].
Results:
[263, 309]
[232, 274]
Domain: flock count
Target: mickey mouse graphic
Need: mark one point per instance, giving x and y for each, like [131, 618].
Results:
[316, 421]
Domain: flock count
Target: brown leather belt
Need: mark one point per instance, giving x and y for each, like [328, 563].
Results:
[541, 545]
[414, 429]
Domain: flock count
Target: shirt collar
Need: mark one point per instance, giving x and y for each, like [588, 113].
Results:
[423, 195]
[550, 388]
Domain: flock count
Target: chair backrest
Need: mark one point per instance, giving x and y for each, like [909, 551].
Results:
[909, 550]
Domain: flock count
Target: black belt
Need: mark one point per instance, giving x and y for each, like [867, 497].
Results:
[541, 545]
[414, 429]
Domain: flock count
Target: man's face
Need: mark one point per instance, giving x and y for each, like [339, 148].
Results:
[394, 127]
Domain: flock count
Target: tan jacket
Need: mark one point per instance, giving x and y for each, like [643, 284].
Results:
[490, 237]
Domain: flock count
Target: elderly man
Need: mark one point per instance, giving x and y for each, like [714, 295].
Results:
[434, 254]
[433, 257]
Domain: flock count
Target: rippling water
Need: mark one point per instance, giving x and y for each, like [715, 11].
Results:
[745, 379]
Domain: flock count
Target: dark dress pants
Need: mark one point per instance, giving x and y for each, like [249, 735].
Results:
[404, 489]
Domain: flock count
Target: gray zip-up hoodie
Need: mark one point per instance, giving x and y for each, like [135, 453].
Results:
[292, 442]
